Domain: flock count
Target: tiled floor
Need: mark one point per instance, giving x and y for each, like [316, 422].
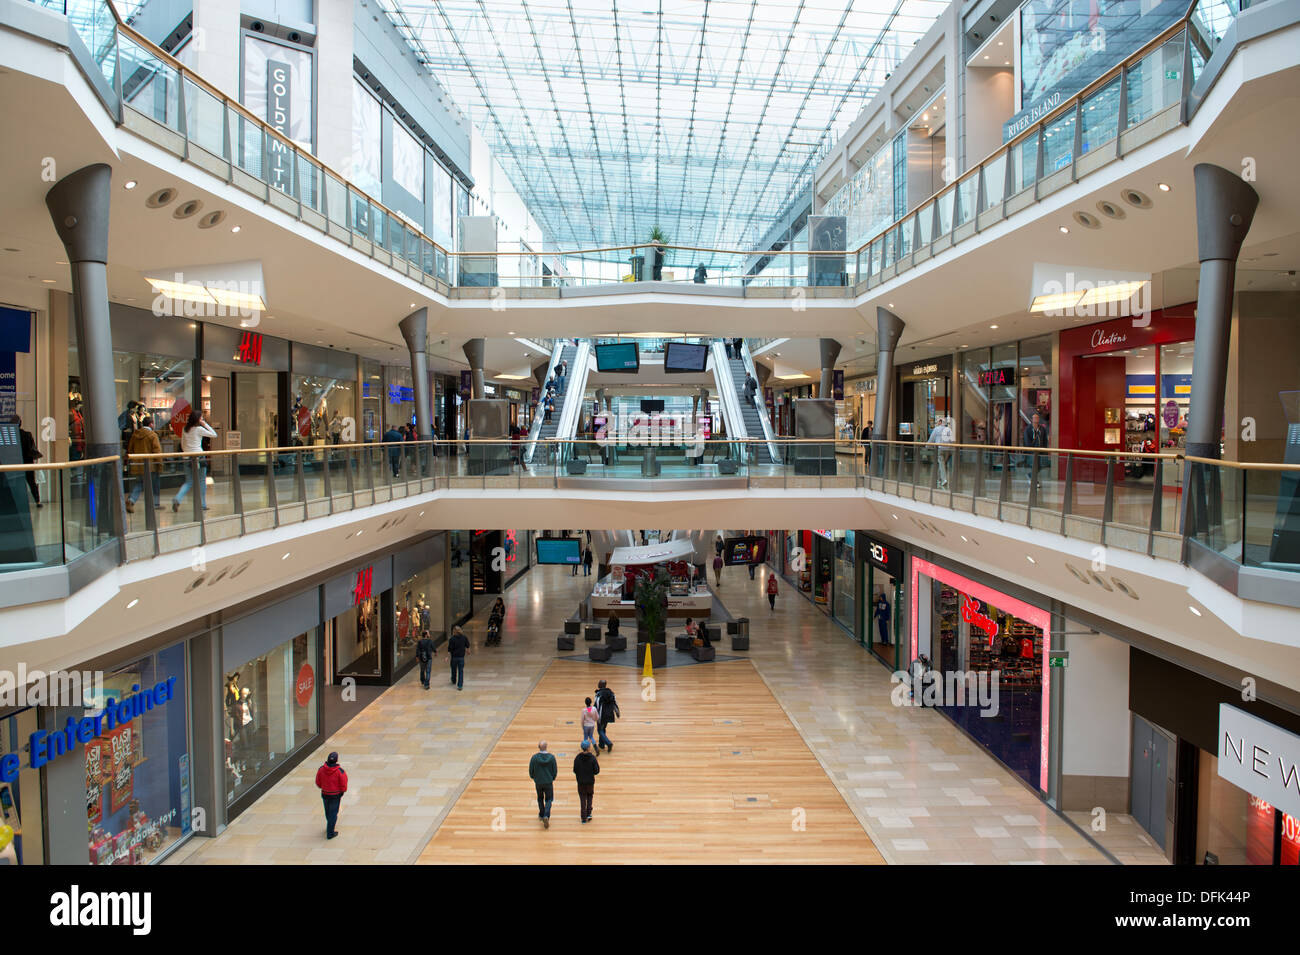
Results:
[920, 789]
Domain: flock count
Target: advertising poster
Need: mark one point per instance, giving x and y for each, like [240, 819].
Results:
[1066, 44]
[119, 749]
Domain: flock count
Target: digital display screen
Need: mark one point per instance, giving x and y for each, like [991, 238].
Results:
[682, 357]
[619, 357]
[744, 550]
[652, 405]
[559, 550]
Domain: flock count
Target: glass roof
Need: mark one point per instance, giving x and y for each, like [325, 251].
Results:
[706, 118]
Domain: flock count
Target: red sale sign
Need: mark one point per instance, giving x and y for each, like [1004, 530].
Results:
[305, 685]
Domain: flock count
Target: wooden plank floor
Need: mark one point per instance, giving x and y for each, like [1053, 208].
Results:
[712, 772]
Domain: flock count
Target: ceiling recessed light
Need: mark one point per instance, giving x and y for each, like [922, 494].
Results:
[359, 533]
[129, 184]
[894, 516]
[1194, 610]
[285, 555]
[133, 603]
[1163, 187]
[235, 228]
[1030, 559]
[963, 537]
[48, 281]
[992, 326]
[412, 305]
[1065, 230]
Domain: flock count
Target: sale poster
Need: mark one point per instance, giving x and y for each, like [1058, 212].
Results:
[120, 753]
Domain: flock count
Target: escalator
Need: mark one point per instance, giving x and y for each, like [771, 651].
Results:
[568, 406]
[741, 413]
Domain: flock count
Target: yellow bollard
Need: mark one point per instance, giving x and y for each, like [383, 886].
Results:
[647, 669]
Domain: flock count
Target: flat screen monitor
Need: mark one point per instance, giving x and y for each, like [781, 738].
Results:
[682, 358]
[559, 550]
[744, 550]
[652, 405]
[618, 357]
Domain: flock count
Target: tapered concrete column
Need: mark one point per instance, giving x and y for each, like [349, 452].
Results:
[539, 374]
[763, 373]
[889, 328]
[474, 349]
[415, 329]
[830, 351]
[1225, 206]
[79, 204]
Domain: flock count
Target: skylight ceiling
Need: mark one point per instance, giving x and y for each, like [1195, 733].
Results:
[704, 118]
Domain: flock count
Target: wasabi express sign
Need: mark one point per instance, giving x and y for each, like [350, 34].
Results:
[45, 746]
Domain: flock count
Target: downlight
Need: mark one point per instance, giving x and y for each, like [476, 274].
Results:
[161, 198]
[1124, 588]
[1087, 221]
[1077, 573]
[216, 217]
[1101, 581]
[1110, 210]
[188, 208]
[1137, 199]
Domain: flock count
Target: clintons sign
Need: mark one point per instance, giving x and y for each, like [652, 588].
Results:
[1108, 340]
[1161, 327]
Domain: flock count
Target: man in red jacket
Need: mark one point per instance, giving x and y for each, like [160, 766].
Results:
[333, 783]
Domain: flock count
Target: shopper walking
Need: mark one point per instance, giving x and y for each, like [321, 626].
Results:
[393, 438]
[332, 782]
[196, 429]
[717, 570]
[30, 454]
[424, 653]
[457, 647]
[586, 767]
[590, 719]
[608, 712]
[542, 770]
[144, 440]
[771, 591]
[940, 436]
[1035, 437]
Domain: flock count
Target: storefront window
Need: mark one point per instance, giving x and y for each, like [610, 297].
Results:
[845, 591]
[20, 800]
[356, 640]
[399, 397]
[269, 711]
[372, 388]
[162, 383]
[329, 401]
[138, 772]
[461, 585]
[419, 606]
[1035, 384]
[993, 646]
[1237, 828]
[974, 397]
[257, 398]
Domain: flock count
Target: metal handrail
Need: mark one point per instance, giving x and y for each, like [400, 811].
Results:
[58, 465]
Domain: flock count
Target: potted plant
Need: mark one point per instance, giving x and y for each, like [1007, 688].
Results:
[651, 598]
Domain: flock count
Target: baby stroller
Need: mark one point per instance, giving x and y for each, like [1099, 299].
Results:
[493, 631]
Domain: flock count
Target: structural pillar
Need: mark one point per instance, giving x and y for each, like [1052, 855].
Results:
[415, 329]
[474, 355]
[1225, 206]
[79, 204]
[830, 351]
[889, 328]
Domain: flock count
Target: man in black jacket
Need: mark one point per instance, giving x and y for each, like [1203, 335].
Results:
[1035, 436]
[457, 647]
[607, 712]
[586, 767]
[424, 652]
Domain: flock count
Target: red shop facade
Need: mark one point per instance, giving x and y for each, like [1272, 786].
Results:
[1125, 385]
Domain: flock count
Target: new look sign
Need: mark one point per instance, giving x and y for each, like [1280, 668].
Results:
[1260, 758]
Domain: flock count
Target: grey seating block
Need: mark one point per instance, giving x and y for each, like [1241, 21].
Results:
[616, 643]
[564, 642]
[573, 626]
[599, 653]
[591, 633]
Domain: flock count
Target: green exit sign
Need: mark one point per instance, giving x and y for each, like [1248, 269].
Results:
[1058, 660]
[1171, 74]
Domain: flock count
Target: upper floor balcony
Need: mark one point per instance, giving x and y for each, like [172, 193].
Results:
[148, 92]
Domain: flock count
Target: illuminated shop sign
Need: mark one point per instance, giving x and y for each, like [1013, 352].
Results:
[45, 746]
[250, 348]
[998, 376]
[886, 558]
